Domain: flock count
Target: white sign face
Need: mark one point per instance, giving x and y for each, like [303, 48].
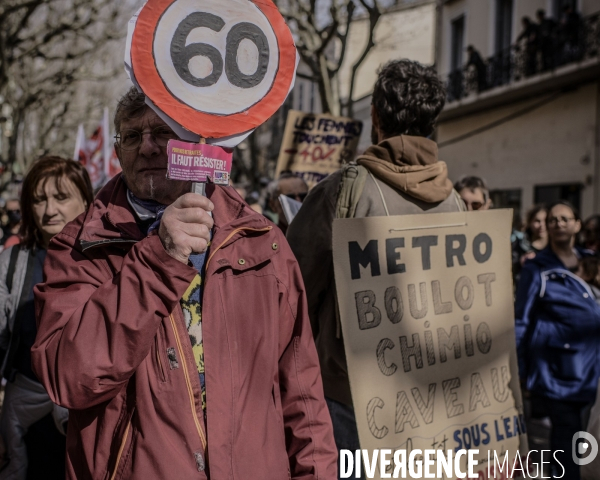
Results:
[218, 57]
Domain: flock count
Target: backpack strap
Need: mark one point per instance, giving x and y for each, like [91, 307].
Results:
[12, 265]
[459, 201]
[351, 188]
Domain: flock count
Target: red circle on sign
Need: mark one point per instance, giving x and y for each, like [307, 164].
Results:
[206, 124]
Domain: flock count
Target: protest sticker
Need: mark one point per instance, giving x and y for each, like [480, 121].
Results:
[198, 162]
[218, 69]
[426, 309]
[315, 146]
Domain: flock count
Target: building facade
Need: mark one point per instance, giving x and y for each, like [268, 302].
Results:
[523, 108]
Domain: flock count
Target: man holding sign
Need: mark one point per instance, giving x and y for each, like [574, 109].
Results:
[176, 360]
[399, 174]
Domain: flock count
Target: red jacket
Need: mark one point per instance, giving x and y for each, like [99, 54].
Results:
[112, 346]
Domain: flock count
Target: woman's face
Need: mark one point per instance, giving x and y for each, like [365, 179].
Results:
[562, 226]
[538, 225]
[53, 208]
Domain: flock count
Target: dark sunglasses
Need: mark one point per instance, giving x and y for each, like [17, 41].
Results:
[297, 196]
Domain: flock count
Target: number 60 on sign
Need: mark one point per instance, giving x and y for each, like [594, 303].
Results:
[218, 68]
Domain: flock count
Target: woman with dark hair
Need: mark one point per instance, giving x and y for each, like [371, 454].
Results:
[589, 237]
[557, 330]
[55, 192]
[526, 245]
[535, 228]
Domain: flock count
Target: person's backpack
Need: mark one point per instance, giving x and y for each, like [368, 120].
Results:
[351, 187]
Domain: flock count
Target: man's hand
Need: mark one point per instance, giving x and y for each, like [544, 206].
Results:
[185, 226]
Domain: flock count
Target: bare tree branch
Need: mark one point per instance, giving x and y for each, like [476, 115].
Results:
[319, 50]
[343, 37]
[374, 15]
[48, 50]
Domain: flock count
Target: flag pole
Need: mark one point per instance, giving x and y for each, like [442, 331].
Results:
[79, 142]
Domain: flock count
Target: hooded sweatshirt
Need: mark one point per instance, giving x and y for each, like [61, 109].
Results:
[405, 178]
[409, 164]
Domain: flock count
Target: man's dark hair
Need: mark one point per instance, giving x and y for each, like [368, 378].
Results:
[131, 105]
[408, 97]
[273, 187]
[473, 183]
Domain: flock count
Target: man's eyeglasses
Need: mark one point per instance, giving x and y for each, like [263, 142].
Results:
[132, 139]
[557, 220]
[474, 205]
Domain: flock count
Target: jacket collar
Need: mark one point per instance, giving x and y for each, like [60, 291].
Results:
[404, 151]
[112, 220]
[547, 259]
[409, 164]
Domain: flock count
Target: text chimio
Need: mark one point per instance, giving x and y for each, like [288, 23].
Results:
[432, 346]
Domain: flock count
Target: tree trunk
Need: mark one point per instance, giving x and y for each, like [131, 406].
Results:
[13, 141]
[328, 89]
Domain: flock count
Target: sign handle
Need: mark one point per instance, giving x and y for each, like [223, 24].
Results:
[199, 187]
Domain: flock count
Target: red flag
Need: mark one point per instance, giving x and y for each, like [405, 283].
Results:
[114, 166]
[97, 153]
[92, 156]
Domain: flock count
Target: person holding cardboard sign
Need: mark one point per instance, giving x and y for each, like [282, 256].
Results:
[178, 361]
[399, 174]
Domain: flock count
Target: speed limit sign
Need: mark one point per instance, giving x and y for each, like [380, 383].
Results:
[217, 68]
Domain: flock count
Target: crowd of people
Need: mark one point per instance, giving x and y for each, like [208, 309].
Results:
[542, 45]
[556, 262]
[551, 243]
[260, 386]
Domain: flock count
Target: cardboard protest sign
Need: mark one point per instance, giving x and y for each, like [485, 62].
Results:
[426, 307]
[198, 162]
[315, 146]
[214, 69]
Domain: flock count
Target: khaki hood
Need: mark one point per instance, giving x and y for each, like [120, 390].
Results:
[409, 164]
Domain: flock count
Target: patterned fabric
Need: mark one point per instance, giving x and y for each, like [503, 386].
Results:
[192, 312]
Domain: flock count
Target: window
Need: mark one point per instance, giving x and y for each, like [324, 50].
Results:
[508, 199]
[457, 43]
[504, 15]
[552, 193]
[558, 6]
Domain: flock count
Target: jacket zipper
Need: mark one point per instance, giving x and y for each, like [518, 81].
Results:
[188, 383]
[266, 229]
[180, 348]
[121, 448]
